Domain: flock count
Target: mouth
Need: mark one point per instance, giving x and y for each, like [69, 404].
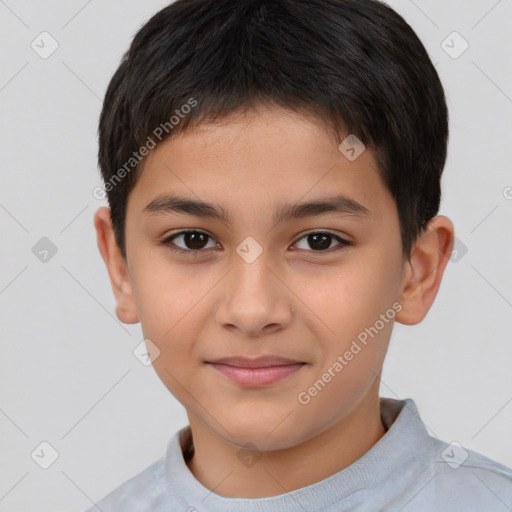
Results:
[259, 372]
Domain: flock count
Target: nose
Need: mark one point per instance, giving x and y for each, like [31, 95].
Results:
[254, 299]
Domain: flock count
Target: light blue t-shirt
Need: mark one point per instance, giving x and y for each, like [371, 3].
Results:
[406, 470]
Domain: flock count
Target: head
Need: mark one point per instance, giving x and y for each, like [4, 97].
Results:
[300, 143]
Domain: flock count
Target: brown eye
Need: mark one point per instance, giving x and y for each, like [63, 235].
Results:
[195, 241]
[190, 241]
[321, 242]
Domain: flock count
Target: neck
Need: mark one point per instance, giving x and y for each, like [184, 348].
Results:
[214, 462]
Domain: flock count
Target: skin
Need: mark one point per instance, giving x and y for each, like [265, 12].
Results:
[292, 301]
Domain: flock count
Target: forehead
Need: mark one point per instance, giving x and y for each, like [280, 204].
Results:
[258, 158]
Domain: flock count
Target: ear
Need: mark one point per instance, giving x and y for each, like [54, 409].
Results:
[117, 267]
[424, 270]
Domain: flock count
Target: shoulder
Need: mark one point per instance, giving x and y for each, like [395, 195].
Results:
[444, 476]
[463, 479]
[147, 491]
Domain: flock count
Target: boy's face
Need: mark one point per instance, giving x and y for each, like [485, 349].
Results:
[306, 299]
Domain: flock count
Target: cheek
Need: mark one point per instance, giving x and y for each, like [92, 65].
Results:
[171, 304]
[347, 297]
[372, 285]
[165, 295]
[347, 304]
[175, 335]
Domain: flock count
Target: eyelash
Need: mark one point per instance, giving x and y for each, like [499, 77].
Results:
[166, 242]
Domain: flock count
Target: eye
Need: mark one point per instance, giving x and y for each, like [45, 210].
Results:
[320, 241]
[191, 242]
[195, 242]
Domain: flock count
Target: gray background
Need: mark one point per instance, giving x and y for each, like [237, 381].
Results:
[67, 372]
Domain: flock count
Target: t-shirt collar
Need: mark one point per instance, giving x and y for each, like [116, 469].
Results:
[403, 446]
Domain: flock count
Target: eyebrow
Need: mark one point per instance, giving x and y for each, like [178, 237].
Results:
[339, 204]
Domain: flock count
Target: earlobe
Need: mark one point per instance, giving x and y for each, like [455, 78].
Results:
[424, 270]
[117, 268]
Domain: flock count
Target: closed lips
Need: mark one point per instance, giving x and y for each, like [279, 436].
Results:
[261, 362]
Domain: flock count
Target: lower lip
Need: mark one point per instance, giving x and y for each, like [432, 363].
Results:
[256, 377]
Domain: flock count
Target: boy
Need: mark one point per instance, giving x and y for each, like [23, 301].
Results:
[237, 138]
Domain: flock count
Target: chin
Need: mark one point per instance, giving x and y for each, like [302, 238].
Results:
[261, 435]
